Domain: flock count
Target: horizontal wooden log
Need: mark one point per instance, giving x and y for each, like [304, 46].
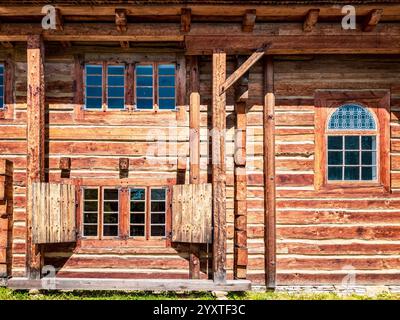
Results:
[342, 232]
[352, 248]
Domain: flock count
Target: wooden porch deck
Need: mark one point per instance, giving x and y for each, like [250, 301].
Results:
[127, 284]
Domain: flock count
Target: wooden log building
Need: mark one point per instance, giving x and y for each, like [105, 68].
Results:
[199, 145]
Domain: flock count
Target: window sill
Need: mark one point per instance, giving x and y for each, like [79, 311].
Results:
[353, 188]
[119, 242]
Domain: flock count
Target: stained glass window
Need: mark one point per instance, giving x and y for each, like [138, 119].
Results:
[351, 117]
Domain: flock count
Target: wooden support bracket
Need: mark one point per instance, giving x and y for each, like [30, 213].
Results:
[311, 20]
[372, 20]
[249, 20]
[186, 19]
[121, 20]
[239, 72]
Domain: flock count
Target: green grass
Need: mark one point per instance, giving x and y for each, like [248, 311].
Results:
[7, 294]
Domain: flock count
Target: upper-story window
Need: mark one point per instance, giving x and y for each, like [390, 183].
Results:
[352, 144]
[151, 86]
[1, 86]
[104, 87]
[155, 86]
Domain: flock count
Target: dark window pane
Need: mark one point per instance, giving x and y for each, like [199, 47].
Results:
[144, 92]
[166, 92]
[352, 142]
[335, 173]
[368, 173]
[111, 206]
[144, 70]
[91, 206]
[94, 92]
[335, 142]
[335, 157]
[90, 218]
[166, 69]
[94, 80]
[168, 81]
[111, 194]
[368, 157]
[93, 103]
[1, 80]
[137, 206]
[110, 218]
[157, 231]
[137, 194]
[167, 104]
[137, 218]
[94, 69]
[1, 68]
[116, 81]
[144, 103]
[158, 218]
[90, 231]
[144, 81]
[158, 194]
[137, 231]
[352, 157]
[91, 194]
[1, 103]
[368, 142]
[116, 103]
[352, 173]
[158, 206]
[110, 231]
[116, 70]
[116, 92]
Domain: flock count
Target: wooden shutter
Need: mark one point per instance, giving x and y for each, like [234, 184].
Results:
[191, 213]
[53, 213]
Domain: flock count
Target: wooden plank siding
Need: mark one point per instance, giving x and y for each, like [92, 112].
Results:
[318, 236]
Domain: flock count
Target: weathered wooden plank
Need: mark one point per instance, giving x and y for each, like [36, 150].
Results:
[191, 209]
[311, 20]
[35, 139]
[130, 284]
[269, 173]
[218, 165]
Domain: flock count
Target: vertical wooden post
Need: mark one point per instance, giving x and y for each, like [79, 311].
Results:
[218, 166]
[6, 207]
[194, 151]
[36, 141]
[240, 187]
[269, 174]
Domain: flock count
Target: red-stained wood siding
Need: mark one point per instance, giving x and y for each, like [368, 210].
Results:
[318, 237]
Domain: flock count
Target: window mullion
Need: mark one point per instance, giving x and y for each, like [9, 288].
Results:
[105, 84]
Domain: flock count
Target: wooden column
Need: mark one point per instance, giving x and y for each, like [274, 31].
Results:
[194, 151]
[240, 186]
[35, 141]
[269, 174]
[6, 207]
[219, 166]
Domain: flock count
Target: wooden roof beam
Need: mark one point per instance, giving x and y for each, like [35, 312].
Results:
[120, 20]
[372, 20]
[239, 72]
[249, 20]
[311, 20]
[186, 19]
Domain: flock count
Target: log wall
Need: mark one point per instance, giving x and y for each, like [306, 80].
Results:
[318, 238]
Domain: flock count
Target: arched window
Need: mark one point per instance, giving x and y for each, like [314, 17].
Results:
[352, 144]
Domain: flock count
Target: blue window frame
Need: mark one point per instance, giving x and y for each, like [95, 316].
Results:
[1, 86]
[144, 87]
[105, 87]
[166, 86]
[116, 86]
[155, 84]
[94, 86]
[352, 145]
